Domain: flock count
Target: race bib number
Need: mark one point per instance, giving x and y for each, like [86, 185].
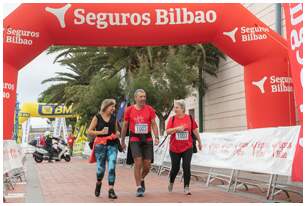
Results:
[141, 129]
[106, 130]
[181, 135]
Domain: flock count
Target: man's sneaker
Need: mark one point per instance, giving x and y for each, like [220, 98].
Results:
[140, 192]
[98, 189]
[112, 194]
[187, 191]
[142, 183]
[170, 187]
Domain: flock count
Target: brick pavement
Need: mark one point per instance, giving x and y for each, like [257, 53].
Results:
[75, 182]
[63, 182]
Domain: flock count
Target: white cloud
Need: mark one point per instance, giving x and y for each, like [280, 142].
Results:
[8, 8]
[30, 77]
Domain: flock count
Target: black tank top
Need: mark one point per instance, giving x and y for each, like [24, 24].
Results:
[111, 127]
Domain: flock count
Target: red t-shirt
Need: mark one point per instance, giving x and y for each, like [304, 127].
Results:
[181, 141]
[42, 141]
[139, 120]
[70, 140]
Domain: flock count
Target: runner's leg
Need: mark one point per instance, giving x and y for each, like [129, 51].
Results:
[147, 153]
[137, 170]
[100, 153]
[111, 159]
[137, 156]
[187, 155]
[175, 165]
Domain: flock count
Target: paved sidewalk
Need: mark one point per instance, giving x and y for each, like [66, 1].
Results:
[75, 182]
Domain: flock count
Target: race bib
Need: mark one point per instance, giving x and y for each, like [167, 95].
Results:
[141, 129]
[181, 135]
[106, 129]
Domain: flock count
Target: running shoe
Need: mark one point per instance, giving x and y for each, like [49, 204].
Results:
[187, 191]
[140, 192]
[98, 189]
[170, 187]
[112, 194]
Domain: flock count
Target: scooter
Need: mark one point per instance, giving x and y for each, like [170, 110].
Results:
[60, 151]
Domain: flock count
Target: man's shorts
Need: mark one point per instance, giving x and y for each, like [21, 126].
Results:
[144, 150]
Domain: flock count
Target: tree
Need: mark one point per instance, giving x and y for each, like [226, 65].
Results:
[205, 58]
[88, 101]
[166, 73]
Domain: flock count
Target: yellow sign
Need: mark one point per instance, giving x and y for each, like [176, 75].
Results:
[34, 109]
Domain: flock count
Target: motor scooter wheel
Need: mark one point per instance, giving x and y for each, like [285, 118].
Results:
[67, 158]
[38, 159]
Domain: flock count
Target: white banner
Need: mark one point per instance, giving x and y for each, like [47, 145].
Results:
[64, 127]
[26, 131]
[12, 156]
[265, 150]
[57, 127]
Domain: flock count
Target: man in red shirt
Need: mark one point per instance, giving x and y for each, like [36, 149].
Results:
[140, 118]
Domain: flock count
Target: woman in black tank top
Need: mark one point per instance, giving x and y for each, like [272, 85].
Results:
[111, 125]
[104, 126]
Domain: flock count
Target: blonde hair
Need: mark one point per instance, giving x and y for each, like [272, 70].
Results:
[181, 103]
[106, 103]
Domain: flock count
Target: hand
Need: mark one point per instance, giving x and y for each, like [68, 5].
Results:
[123, 145]
[180, 128]
[117, 135]
[200, 146]
[156, 141]
[103, 131]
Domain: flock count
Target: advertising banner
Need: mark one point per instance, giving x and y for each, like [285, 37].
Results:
[294, 26]
[266, 150]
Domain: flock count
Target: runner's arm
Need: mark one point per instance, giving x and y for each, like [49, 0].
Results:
[155, 128]
[91, 129]
[171, 131]
[196, 133]
[124, 130]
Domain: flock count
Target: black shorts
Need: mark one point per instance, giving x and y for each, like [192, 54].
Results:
[144, 150]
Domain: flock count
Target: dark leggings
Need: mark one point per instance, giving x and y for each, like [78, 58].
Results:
[176, 163]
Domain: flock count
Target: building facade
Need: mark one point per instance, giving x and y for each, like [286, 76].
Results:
[224, 101]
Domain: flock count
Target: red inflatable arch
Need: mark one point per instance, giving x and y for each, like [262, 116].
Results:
[32, 28]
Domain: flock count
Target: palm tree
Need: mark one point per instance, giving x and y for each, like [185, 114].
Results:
[167, 72]
[79, 73]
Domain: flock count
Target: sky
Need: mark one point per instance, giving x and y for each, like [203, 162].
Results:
[30, 77]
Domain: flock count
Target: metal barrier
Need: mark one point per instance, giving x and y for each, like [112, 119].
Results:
[284, 184]
[270, 184]
[224, 175]
[259, 180]
[11, 178]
